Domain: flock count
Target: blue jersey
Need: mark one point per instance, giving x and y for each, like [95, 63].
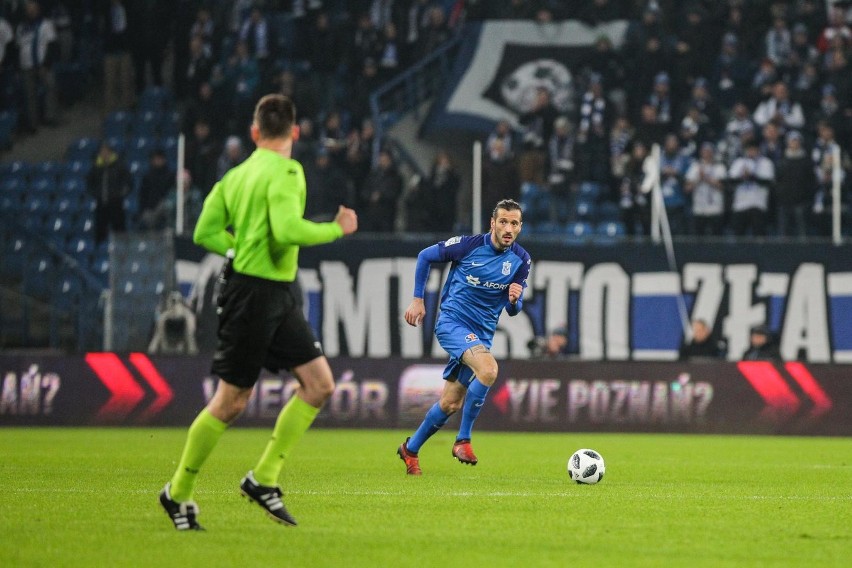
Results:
[476, 290]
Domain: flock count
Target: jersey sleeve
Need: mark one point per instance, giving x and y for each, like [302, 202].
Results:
[211, 230]
[456, 248]
[289, 227]
[520, 277]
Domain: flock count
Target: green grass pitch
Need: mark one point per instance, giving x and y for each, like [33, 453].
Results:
[88, 497]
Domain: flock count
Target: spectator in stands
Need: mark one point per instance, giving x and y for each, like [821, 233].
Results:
[621, 136]
[233, 154]
[779, 42]
[380, 194]
[38, 51]
[633, 203]
[704, 182]
[822, 157]
[560, 154]
[202, 151]
[328, 189]
[537, 122]
[762, 346]
[359, 154]
[695, 39]
[708, 117]
[802, 51]
[254, 32]
[503, 131]
[673, 167]
[199, 68]
[204, 27]
[837, 28]
[500, 178]
[806, 88]
[156, 184]
[305, 148]
[109, 182]
[7, 36]
[649, 130]
[325, 56]
[435, 33]
[118, 67]
[389, 51]
[771, 143]
[703, 345]
[431, 203]
[795, 188]
[731, 73]
[553, 346]
[333, 137]
[364, 43]
[785, 113]
[367, 81]
[149, 38]
[753, 176]
[607, 63]
[763, 82]
[242, 76]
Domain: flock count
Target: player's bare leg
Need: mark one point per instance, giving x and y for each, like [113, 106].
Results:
[484, 367]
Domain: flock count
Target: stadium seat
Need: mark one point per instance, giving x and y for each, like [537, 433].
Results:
[170, 123]
[610, 231]
[586, 210]
[146, 124]
[578, 232]
[71, 187]
[156, 99]
[117, 124]
[139, 149]
[48, 168]
[83, 149]
[590, 190]
[42, 185]
[14, 168]
[68, 292]
[13, 185]
[117, 143]
[39, 272]
[77, 169]
[608, 211]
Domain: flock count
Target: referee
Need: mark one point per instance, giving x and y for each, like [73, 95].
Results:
[257, 211]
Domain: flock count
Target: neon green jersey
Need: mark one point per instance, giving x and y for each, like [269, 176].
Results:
[263, 201]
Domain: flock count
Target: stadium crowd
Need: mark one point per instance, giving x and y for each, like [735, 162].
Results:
[746, 98]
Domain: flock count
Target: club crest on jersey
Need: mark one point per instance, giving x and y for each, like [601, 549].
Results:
[470, 337]
[507, 268]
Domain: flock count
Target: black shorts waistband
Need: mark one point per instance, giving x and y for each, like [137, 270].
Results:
[258, 281]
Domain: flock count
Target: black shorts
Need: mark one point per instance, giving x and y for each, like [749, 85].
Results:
[261, 325]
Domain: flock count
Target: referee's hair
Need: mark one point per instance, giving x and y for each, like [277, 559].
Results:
[508, 205]
[274, 115]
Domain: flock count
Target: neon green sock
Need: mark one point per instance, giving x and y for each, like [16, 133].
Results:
[202, 437]
[295, 419]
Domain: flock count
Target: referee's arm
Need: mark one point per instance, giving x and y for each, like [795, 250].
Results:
[211, 230]
[290, 228]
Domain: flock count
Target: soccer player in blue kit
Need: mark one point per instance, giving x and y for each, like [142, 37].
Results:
[489, 273]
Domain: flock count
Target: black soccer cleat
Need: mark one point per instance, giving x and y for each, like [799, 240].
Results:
[182, 514]
[269, 499]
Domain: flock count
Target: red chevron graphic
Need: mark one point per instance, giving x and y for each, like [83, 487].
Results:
[156, 381]
[781, 401]
[125, 392]
[800, 373]
[501, 399]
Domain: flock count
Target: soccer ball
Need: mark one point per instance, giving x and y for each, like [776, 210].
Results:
[586, 466]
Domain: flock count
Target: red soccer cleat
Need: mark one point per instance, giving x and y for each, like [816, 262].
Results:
[463, 452]
[412, 462]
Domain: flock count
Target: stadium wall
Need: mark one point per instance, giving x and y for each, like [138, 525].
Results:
[619, 302]
[743, 398]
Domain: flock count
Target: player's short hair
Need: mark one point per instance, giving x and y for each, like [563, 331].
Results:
[508, 205]
[275, 115]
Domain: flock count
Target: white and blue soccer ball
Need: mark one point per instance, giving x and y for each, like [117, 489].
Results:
[586, 466]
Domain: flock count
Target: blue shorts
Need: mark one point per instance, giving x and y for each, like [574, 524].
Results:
[456, 338]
